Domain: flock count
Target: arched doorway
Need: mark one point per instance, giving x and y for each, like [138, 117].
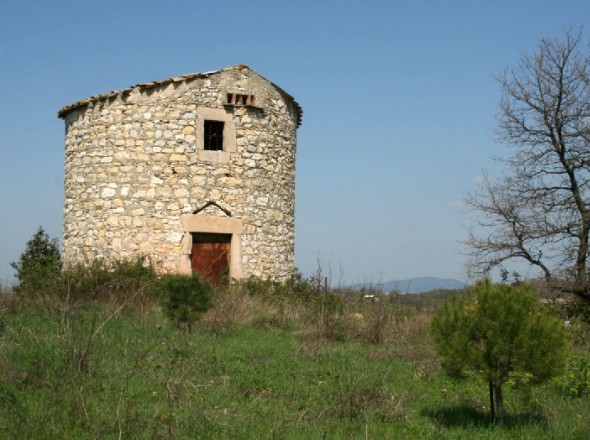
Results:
[211, 247]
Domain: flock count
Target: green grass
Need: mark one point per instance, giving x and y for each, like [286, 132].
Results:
[82, 375]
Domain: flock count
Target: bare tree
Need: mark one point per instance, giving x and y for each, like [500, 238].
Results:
[539, 211]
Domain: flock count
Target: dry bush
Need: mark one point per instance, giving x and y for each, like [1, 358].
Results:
[374, 320]
[411, 342]
[378, 321]
[233, 305]
[403, 331]
[319, 316]
[7, 301]
[5, 290]
[326, 327]
[7, 305]
[296, 305]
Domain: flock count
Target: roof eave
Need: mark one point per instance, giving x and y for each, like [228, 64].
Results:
[149, 85]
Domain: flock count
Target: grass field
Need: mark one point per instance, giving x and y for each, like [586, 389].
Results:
[254, 368]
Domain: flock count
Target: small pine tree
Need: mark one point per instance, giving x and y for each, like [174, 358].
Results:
[39, 264]
[186, 298]
[495, 331]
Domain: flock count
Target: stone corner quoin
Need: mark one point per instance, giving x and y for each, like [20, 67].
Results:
[196, 172]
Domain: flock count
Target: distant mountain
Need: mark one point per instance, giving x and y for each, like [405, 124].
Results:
[416, 285]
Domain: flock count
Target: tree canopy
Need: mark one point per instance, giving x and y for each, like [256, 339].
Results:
[39, 263]
[539, 211]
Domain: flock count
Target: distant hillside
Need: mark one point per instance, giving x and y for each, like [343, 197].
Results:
[416, 285]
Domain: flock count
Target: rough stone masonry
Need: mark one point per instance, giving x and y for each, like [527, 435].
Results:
[196, 172]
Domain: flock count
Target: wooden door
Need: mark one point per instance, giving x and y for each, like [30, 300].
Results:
[210, 257]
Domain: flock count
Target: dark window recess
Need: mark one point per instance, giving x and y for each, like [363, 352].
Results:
[236, 99]
[213, 135]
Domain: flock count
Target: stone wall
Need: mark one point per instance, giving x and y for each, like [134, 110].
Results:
[137, 176]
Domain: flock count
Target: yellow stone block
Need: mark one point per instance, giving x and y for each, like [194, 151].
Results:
[181, 192]
[154, 223]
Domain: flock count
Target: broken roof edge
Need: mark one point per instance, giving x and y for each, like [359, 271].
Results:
[146, 86]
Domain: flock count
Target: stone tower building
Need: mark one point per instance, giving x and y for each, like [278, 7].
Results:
[197, 172]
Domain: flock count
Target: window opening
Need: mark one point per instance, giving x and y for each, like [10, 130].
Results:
[213, 135]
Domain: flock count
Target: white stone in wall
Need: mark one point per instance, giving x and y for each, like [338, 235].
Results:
[108, 192]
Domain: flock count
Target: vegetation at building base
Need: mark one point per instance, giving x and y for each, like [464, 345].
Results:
[97, 357]
[499, 332]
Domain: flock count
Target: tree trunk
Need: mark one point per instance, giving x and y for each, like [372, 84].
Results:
[499, 404]
[581, 278]
[492, 406]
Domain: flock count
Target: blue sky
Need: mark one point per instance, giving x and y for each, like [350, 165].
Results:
[399, 101]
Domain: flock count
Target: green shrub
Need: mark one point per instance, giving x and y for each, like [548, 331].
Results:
[498, 330]
[39, 265]
[131, 284]
[186, 298]
[576, 381]
[116, 280]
